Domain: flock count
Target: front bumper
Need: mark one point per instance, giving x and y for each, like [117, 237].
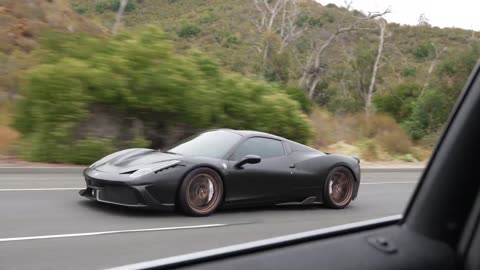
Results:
[119, 190]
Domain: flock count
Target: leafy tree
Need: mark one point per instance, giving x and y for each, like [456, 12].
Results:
[423, 20]
[363, 66]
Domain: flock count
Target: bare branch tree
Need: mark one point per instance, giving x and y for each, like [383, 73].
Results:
[382, 25]
[118, 18]
[392, 67]
[269, 11]
[289, 29]
[313, 68]
[277, 16]
[432, 67]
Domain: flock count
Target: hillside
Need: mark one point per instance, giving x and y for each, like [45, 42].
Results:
[379, 90]
[22, 23]
[226, 30]
[420, 72]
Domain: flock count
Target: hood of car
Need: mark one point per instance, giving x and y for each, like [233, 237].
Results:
[133, 159]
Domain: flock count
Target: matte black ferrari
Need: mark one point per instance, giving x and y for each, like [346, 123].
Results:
[223, 168]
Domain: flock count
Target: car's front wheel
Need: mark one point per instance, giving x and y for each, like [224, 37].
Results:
[338, 189]
[201, 192]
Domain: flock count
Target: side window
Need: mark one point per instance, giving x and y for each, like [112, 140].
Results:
[263, 147]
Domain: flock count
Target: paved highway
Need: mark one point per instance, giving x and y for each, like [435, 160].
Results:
[45, 224]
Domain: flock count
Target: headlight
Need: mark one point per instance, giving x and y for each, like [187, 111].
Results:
[156, 167]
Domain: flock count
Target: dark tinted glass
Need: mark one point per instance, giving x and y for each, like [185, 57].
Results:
[263, 147]
[213, 144]
[296, 147]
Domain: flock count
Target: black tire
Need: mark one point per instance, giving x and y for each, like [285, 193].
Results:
[201, 192]
[338, 189]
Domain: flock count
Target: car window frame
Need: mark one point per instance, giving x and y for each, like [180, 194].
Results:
[235, 148]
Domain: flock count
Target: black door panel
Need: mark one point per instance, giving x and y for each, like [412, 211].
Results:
[268, 180]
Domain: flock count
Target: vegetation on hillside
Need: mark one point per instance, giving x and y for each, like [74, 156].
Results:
[381, 88]
[419, 66]
[91, 96]
[22, 24]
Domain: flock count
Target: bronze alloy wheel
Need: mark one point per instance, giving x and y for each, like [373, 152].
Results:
[339, 188]
[201, 192]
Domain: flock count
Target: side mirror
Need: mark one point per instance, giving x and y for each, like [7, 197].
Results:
[248, 159]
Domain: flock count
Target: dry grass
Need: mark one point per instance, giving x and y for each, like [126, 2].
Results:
[377, 137]
[324, 126]
[8, 136]
[344, 148]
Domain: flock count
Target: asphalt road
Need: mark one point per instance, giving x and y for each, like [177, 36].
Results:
[45, 224]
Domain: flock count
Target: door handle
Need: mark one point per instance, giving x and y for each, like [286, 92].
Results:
[292, 166]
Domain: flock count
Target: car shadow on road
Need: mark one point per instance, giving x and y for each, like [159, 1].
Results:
[280, 208]
[144, 212]
[125, 211]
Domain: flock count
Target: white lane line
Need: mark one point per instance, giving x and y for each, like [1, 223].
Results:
[386, 183]
[37, 189]
[108, 232]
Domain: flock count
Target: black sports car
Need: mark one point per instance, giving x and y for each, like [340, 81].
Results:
[223, 168]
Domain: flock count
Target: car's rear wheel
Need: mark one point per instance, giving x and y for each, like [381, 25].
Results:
[201, 192]
[338, 189]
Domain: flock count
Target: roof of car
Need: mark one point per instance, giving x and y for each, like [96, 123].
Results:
[252, 133]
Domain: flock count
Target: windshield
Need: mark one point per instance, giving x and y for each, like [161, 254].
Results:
[212, 144]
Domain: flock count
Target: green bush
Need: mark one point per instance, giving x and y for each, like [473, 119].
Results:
[453, 71]
[338, 103]
[428, 115]
[424, 51]
[277, 68]
[207, 17]
[80, 10]
[87, 150]
[298, 94]
[188, 31]
[227, 39]
[101, 7]
[113, 5]
[138, 76]
[398, 103]
[410, 72]
[305, 20]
